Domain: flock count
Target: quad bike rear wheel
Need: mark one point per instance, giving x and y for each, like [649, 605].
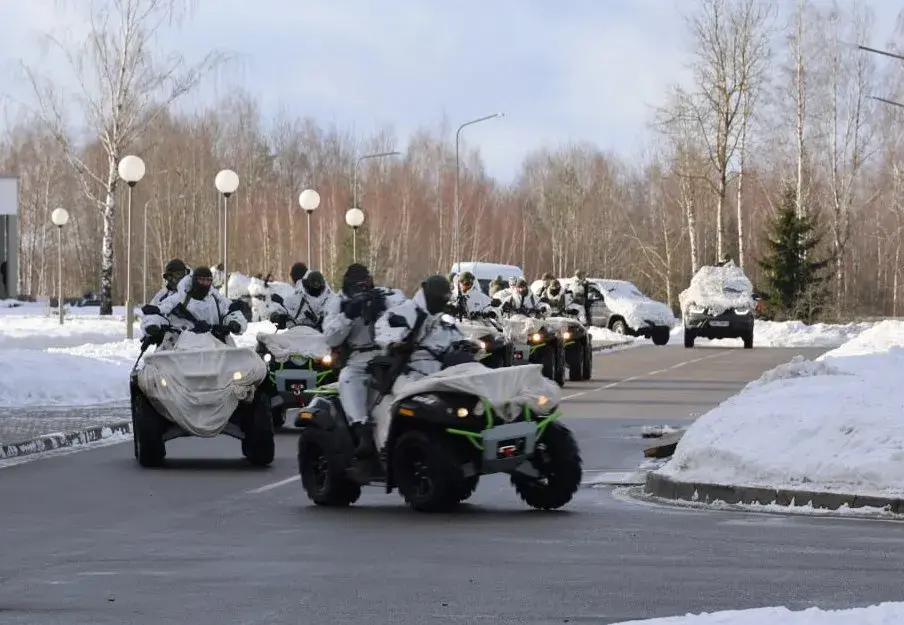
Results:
[587, 369]
[147, 432]
[427, 472]
[258, 445]
[558, 460]
[322, 470]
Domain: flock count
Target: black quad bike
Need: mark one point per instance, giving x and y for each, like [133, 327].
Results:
[437, 449]
[484, 328]
[152, 428]
[287, 382]
[578, 346]
[547, 348]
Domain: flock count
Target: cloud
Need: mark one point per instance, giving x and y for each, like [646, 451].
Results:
[581, 70]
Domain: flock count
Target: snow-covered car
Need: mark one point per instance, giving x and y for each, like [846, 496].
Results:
[200, 387]
[718, 304]
[620, 306]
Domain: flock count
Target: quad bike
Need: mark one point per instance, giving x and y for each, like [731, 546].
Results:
[483, 327]
[577, 343]
[200, 387]
[543, 342]
[298, 360]
[445, 431]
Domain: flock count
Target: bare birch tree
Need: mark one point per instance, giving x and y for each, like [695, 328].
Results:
[123, 86]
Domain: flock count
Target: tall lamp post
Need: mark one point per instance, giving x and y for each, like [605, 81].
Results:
[131, 169]
[309, 200]
[226, 182]
[355, 172]
[893, 55]
[457, 175]
[354, 217]
[59, 217]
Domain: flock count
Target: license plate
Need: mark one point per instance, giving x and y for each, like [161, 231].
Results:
[719, 324]
[510, 448]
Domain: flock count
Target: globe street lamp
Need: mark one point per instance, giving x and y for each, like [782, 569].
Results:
[457, 236]
[354, 217]
[309, 200]
[226, 182]
[131, 169]
[59, 217]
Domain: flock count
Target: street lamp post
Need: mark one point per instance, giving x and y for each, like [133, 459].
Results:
[457, 174]
[226, 182]
[354, 217]
[59, 217]
[309, 200]
[355, 172]
[893, 55]
[131, 169]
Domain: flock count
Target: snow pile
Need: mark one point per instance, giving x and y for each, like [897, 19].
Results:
[830, 425]
[881, 614]
[39, 332]
[605, 335]
[717, 289]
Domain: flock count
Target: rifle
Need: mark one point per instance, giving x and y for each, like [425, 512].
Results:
[385, 369]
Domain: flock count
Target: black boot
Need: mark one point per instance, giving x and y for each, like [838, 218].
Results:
[364, 435]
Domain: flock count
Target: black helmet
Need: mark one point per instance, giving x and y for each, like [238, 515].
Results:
[357, 278]
[201, 282]
[314, 283]
[297, 272]
[174, 271]
[437, 290]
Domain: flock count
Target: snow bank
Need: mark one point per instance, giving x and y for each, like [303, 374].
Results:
[881, 614]
[608, 336]
[718, 289]
[34, 378]
[831, 425]
[39, 332]
[787, 334]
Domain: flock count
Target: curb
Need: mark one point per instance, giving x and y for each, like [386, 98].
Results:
[60, 440]
[607, 346]
[665, 488]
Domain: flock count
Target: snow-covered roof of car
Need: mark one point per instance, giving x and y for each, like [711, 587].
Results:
[722, 286]
[488, 271]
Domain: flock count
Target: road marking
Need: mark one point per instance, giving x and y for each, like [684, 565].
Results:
[265, 488]
[637, 377]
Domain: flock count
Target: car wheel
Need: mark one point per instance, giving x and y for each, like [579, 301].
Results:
[575, 360]
[587, 369]
[748, 340]
[322, 470]
[619, 327]
[660, 336]
[558, 460]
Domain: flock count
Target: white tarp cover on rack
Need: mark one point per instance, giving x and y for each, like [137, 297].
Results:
[300, 341]
[561, 323]
[199, 382]
[718, 289]
[515, 386]
[475, 330]
[520, 327]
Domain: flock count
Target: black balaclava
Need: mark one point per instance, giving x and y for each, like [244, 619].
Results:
[201, 281]
[357, 279]
[522, 287]
[437, 291]
[297, 272]
[174, 271]
[314, 284]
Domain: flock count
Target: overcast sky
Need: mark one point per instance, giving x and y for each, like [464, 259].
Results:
[560, 71]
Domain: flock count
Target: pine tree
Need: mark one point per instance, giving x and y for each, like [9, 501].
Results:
[795, 276]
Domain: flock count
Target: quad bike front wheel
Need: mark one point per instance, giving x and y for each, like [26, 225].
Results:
[258, 445]
[322, 470]
[147, 432]
[558, 460]
[427, 472]
[587, 369]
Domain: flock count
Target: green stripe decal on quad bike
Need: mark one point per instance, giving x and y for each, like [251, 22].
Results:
[569, 343]
[323, 391]
[475, 437]
[534, 348]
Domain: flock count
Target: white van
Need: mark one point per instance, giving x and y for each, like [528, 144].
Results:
[487, 272]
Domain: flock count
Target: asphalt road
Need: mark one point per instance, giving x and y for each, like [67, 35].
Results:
[90, 537]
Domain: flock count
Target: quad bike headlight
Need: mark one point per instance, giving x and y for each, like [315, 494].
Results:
[268, 357]
[327, 360]
[482, 344]
[566, 335]
[237, 375]
[542, 400]
[462, 413]
[536, 337]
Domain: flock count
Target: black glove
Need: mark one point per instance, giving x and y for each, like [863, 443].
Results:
[234, 327]
[279, 320]
[153, 332]
[220, 332]
[201, 327]
[352, 308]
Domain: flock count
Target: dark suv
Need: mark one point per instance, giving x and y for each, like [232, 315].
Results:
[719, 304]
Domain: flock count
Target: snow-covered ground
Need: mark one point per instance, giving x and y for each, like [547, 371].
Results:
[880, 614]
[832, 424]
[785, 334]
